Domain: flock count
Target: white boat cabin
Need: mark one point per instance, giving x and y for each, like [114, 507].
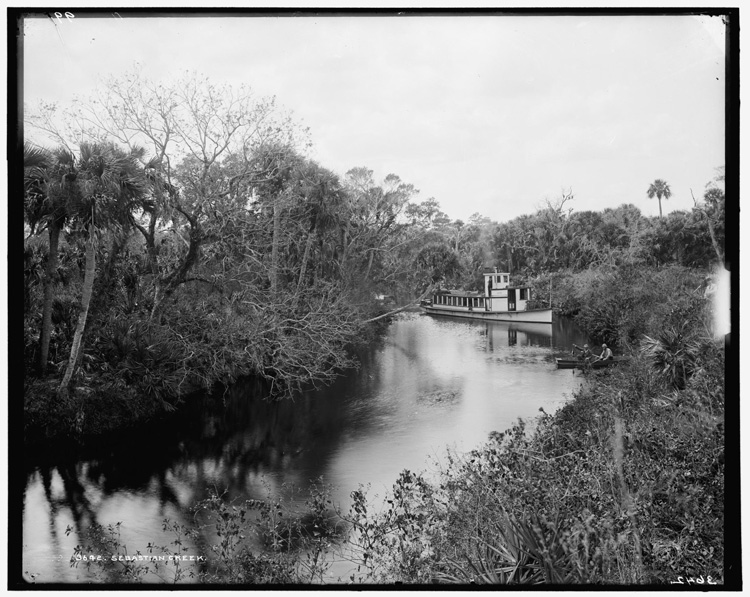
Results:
[498, 296]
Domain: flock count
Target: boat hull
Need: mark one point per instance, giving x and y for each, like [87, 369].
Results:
[576, 364]
[528, 316]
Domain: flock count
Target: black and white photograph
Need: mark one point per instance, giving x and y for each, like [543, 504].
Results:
[365, 298]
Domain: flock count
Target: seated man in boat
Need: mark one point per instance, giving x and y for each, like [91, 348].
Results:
[586, 353]
[606, 354]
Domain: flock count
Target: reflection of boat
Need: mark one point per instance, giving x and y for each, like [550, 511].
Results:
[576, 363]
[504, 333]
[499, 302]
[531, 329]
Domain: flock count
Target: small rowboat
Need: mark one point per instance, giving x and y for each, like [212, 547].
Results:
[578, 364]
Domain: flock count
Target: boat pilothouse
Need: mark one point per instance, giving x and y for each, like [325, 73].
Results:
[499, 302]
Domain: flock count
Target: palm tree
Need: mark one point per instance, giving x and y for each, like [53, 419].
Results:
[48, 185]
[274, 165]
[659, 188]
[321, 192]
[673, 353]
[111, 185]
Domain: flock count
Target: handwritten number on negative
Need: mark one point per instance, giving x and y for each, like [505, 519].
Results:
[68, 15]
[681, 580]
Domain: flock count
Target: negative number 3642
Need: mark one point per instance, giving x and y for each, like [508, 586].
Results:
[689, 580]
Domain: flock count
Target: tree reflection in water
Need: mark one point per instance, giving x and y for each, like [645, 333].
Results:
[233, 442]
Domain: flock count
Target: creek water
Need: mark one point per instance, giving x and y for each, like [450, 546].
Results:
[430, 384]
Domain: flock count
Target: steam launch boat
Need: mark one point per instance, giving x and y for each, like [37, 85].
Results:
[500, 302]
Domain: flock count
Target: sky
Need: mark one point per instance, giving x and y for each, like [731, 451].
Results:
[493, 115]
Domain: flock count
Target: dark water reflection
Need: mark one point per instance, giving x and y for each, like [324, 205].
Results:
[432, 383]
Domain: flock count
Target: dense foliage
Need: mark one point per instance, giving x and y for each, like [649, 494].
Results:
[619, 305]
[219, 251]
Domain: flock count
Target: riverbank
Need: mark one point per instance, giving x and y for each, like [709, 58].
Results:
[93, 411]
[619, 305]
[102, 401]
[624, 485]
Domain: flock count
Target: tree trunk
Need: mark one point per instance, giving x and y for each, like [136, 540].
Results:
[158, 299]
[165, 286]
[88, 287]
[320, 271]
[275, 242]
[305, 257]
[403, 307]
[369, 264]
[344, 251]
[509, 252]
[714, 242]
[49, 285]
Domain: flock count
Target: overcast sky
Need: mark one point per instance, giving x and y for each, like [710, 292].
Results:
[487, 114]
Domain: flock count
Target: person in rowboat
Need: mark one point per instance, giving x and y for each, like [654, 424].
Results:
[586, 354]
[606, 354]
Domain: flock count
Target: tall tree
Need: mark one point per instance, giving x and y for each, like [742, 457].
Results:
[275, 167]
[48, 187]
[192, 127]
[426, 214]
[319, 197]
[370, 216]
[659, 188]
[713, 212]
[110, 183]
[437, 263]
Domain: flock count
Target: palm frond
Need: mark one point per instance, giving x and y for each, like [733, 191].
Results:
[673, 353]
[35, 157]
[137, 152]
[154, 163]
[64, 157]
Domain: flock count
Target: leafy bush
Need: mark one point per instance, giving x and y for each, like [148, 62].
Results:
[234, 535]
[619, 305]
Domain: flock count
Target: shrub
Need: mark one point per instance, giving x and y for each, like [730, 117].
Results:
[234, 533]
[619, 305]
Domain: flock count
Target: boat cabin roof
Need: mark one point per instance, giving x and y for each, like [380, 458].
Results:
[471, 293]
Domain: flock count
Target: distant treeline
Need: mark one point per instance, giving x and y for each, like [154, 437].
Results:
[558, 238]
